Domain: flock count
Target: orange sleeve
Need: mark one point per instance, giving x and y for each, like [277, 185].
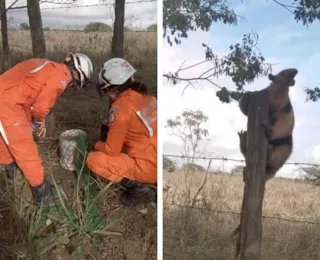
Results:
[118, 127]
[52, 89]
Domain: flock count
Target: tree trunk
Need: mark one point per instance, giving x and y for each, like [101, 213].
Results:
[39, 47]
[118, 28]
[4, 31]
[37, 35]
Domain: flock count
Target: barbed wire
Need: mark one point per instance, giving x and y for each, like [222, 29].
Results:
[238, 214]
[81, 6]
[233, 160]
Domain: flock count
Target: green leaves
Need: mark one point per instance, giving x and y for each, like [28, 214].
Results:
[307, 11]
[243, 65]
[168, 165]
[182, 16]
[312, 94]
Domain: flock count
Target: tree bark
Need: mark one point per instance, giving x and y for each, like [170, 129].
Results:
[118, 29]
[36, 28]
[6, 64]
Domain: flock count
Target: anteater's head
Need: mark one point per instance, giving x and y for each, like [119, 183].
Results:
[284, 78]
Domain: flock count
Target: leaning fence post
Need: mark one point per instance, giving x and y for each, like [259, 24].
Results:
[256, 157]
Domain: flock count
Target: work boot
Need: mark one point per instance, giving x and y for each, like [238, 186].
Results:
[129, 183]
[10, 169]
[138, 194]
[45, 192]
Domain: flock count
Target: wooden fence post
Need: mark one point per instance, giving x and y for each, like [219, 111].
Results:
[256, 158]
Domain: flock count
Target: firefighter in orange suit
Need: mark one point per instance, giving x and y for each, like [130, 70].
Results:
[28, 91]
[128, 155]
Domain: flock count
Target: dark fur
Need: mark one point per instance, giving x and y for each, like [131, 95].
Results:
[281, 121]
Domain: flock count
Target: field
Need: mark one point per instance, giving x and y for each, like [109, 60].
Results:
[84, 110]
[204, 233]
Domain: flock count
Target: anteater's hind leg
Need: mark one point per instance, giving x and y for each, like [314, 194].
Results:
[278, 157]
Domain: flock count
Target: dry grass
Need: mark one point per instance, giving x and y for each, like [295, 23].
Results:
[140, 49]
[206, 235]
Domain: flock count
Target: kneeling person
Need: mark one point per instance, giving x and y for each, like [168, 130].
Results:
[128, 155]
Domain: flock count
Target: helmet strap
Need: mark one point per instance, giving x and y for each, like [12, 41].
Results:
[99, 89]
[75, 84]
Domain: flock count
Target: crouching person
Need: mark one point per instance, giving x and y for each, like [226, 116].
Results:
[28, 92]
[128, 155]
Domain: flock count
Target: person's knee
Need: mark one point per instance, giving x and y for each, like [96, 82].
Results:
[94, 160]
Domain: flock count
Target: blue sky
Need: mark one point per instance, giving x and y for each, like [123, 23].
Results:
[282, 40]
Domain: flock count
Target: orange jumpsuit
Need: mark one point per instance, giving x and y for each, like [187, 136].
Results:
[32, 83]
[130, 150]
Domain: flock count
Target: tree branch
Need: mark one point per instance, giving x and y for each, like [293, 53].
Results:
[168, 76]
[12, 5]
[67, 2]
[285, 6]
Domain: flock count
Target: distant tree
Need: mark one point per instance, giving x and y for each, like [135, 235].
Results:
[46, 28]
[188, 128]
[24, 26]
[312, 174]
[169, 165]
[97, 27]
[193, 167]
[127, 29]
[152, 28]
[237, 170]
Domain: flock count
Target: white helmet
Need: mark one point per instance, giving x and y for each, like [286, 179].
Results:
[115, 71]
[83, 65]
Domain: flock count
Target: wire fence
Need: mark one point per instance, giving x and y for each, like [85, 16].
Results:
[73, 6]
[197, 183]
[234, 160]
[238, 214]
[70, 6]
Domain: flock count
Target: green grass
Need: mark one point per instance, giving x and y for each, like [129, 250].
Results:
[79, 219]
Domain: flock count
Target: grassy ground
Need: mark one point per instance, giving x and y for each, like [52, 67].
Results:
[82, 110]
[206, 233]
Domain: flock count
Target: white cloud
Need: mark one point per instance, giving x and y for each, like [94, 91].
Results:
[138, 15]
[316, 152]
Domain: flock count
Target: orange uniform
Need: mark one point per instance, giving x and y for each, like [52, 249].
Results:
[130, 150]
[36, 84]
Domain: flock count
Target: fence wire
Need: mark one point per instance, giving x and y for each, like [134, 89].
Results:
[67, 6]
[177, 187]
[238, 213]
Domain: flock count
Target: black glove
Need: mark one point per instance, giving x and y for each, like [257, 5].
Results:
[104, 129]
